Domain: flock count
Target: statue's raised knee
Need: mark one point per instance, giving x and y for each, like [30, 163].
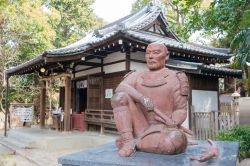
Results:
[119, 99]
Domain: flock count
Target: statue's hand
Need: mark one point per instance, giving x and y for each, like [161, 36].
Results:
[147, 103]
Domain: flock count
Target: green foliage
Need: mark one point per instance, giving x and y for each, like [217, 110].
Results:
[24, 33]
[27, 28]
[240, 45]
[224, 15]
[74, 19]
[24, 88]
[223, 18]
[240, 134]
[137, 5]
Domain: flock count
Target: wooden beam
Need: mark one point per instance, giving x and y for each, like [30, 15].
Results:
[90, 64]
[63, 58]
[56, 76]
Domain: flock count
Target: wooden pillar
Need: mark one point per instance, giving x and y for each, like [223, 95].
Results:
[67, 104]
[128, 60]
[102, 70]
[6, 106]
[42, 103]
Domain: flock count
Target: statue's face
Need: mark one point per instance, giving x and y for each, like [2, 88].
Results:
[156, 56]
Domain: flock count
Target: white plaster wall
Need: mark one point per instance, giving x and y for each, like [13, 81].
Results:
[138, 66]
[88, 72]
[114, 67]
[204, 101]
[138, 55]
[80, 67]
[95, 60]
[186, 122]
[116, 56]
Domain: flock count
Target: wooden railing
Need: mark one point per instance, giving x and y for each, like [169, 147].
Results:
[207, 124]
[204, 124]
[229, 106]
[102, 118]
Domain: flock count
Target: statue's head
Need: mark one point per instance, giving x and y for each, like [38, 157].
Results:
[156, 56]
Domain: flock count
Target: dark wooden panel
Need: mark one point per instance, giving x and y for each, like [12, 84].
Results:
[199, 82]
[94, 92]
[110, 82]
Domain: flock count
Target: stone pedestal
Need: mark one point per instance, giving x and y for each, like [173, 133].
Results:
[106, 155]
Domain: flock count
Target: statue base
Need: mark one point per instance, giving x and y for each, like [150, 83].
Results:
[107, 155]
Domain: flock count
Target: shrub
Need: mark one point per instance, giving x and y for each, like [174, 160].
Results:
[240, 134]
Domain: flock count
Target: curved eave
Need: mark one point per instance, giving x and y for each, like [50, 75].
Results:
[79, 47]
[220, 72]
[135, 21]
[26, 67]
[171, 43]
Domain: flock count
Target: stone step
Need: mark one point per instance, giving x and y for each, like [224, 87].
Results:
[20, 143]
[20, 139]
[4, 150]
[52, 140]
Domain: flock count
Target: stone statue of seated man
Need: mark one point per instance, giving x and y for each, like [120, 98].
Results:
[149, 107]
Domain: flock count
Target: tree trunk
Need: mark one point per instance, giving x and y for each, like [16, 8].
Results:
[245, 76]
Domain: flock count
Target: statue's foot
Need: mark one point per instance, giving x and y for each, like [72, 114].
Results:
[210, 153]
[119, 143]
[128, 149]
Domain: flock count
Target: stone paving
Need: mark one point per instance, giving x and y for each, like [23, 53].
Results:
[18, 156]
[48, 153]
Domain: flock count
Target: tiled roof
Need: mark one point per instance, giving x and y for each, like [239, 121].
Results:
[135, 21]
[131, 27]
[80, 46]
[35, 60]
[200, 68]
[218, 71]
[149, 37]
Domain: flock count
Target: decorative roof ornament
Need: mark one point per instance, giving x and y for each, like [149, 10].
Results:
[97, 33]
[120, 26]
[155, 5]
[155, 2]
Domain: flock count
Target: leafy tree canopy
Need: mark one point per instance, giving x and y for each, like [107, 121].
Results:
[27, 28]
[224, 18]
[75, 18]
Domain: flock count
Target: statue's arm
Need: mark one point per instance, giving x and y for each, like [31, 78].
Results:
[127, 86]
[132, 92]
[181, 93]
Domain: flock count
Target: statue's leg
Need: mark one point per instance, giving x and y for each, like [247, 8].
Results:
[166, 141]
[123, 108]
